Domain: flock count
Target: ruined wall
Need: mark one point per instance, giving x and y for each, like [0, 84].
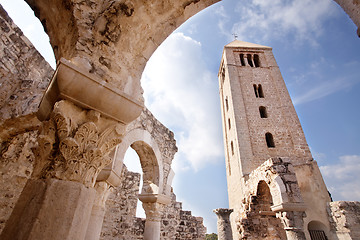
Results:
[24, 76]
[120, 221]
[345, 219]
[179, 224]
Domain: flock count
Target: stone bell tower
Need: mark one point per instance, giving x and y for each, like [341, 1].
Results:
[271, 174]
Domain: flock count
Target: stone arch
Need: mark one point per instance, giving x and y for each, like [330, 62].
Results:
[317, 230]
[150, 158]
[264, 197]
[91, 39]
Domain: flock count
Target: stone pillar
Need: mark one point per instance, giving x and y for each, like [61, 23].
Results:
[293, 224]
[73, 147]
[153, 205]
[223, 223]
[153, 213]
[103, 190]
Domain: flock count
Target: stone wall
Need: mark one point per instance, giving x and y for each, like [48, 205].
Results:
[120, 221]
[345, 219]
[24, 76]
[179, 224]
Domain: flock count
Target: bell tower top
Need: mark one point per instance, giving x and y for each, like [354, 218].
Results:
[242, 44]
[259, 119]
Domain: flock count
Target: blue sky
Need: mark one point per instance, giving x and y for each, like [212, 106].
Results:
[317, 49]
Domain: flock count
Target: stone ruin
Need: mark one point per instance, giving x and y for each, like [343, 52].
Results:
[26, 75]
[62, 150]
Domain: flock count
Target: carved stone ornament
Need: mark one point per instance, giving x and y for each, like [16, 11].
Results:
[75, 144]
[153, 211]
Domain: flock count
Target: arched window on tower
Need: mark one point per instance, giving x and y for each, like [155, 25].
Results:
[229, 123]
[263, 113]
[260, 91]
[269, 140]
[249, 59]
[223, 74]
[242, 60]
[256, 90]
[256, 60]
[232, 148]
[226, 104]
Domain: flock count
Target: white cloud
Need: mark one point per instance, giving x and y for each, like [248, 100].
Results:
[343, 179]
[183, 95]
[300, 19]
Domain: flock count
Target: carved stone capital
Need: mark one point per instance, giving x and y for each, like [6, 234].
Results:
[153, 211]
[74, 144]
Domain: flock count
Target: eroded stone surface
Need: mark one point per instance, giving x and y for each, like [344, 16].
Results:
[112, 39]
[24, 75]
[345, 219]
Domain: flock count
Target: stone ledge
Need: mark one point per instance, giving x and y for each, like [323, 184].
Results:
[152, 198]
[285, 207]
[86, 90]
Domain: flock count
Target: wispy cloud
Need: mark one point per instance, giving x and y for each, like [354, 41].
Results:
[181, 93]
[300, 19]
[343, 179]
[322, 90]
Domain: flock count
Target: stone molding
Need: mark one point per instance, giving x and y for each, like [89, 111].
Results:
[74, 144]
[88, 91]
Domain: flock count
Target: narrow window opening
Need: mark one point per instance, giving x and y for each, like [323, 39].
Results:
[226, 104]
[223, 74]
[249, 58]
[260, 91]
[242, 60]
[256, 60]
[232, 148]
[269, 140]
[229, 123]
[256, 90]
[263, 113]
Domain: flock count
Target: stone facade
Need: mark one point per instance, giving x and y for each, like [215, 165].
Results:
[274, 185]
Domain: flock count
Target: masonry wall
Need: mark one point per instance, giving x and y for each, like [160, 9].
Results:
[120, 221]
[24, 76]
[345, 219]
[244, 128]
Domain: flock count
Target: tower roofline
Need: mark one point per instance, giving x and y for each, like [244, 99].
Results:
[242, 44]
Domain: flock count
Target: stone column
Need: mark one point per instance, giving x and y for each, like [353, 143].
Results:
[223, 223]
[73, 147]
[103, 190]
[153, 213]
[153, 205]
